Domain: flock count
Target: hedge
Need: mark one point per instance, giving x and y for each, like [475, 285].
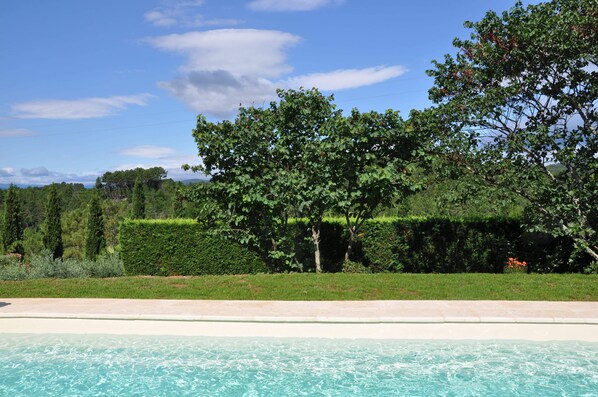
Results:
[417, 245]
[439, 245]
[180, 247]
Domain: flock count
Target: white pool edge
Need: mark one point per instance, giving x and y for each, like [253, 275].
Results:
[454, 320]
[396, 330]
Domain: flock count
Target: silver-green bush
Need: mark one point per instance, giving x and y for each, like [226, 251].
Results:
[45, 266]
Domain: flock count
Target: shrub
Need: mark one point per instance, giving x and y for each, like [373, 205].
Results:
[181, 247]
[46, 266]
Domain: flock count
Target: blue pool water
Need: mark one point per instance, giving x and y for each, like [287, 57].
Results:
[77, 365]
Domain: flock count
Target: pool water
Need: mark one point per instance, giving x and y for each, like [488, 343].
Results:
[79, 365]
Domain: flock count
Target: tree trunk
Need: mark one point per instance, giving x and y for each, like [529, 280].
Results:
[315, 236]
[350, 243]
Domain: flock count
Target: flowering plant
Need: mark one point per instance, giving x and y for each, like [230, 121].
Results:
[515, 266]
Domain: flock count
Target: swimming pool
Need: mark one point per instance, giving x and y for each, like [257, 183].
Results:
[95, 365]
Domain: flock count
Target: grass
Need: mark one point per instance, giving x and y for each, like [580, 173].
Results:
[312, 287]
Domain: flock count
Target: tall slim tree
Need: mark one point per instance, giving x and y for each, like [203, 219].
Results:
[53, 227]
[138, 200]
[12, 225]
[94, 239]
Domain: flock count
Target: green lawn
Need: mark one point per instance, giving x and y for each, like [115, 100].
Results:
[549, 287]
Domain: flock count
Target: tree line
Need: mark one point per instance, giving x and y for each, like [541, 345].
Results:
[72, 221]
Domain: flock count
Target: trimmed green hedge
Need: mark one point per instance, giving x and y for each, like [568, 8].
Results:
[439, 245]
[416, 245]
[180, 247]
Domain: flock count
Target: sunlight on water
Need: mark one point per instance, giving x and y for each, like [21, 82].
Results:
[65, 365]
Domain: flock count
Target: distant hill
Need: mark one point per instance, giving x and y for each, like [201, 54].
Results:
[188, 182]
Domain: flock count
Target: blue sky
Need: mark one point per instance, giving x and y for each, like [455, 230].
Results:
[94, 86]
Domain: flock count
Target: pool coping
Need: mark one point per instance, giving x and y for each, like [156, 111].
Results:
[530, 320]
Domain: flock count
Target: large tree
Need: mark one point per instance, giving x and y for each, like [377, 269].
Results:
[267, 166]
[519, 96]
[12, 225]
[53, 227]
[300, 157]
[94, 238]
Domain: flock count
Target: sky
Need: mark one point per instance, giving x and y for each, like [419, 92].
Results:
[93, 86]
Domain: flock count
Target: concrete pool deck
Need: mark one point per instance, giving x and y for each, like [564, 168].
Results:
[522, 320]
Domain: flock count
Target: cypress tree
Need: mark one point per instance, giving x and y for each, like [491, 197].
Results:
[177, 206]
[94, 238]
[138, 200]
[53, 227]
[12, 227]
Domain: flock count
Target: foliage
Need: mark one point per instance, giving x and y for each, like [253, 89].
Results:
[44, 265]
[138, 200]
[53, 227]
[374, 157]
[519, 96]
[12, 225]
[119, 184]
[181, 247]
[355, 267]
[443, 245]
[264, 167]
[95, 241]
[73, 233]
[301, 157]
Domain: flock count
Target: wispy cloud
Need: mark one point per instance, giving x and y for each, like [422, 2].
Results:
[84, 108]
[343, 79]
[183, 13]
[15, 132]
[290, 5]
[148, 151]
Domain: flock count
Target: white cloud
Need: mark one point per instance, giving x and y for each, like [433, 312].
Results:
[14, 132]
[226, 68]
[84, 108]
[290, 5]
[6, 171]
[182, 13]
[148, 151]
[240, 51]
[38, 176]
[343, 79]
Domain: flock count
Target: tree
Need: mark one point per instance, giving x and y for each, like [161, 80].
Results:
[138, 200]
[300, 157]
[373, 157]
[12, 226]
[94, 239]
[53, 227]
[520, 96]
